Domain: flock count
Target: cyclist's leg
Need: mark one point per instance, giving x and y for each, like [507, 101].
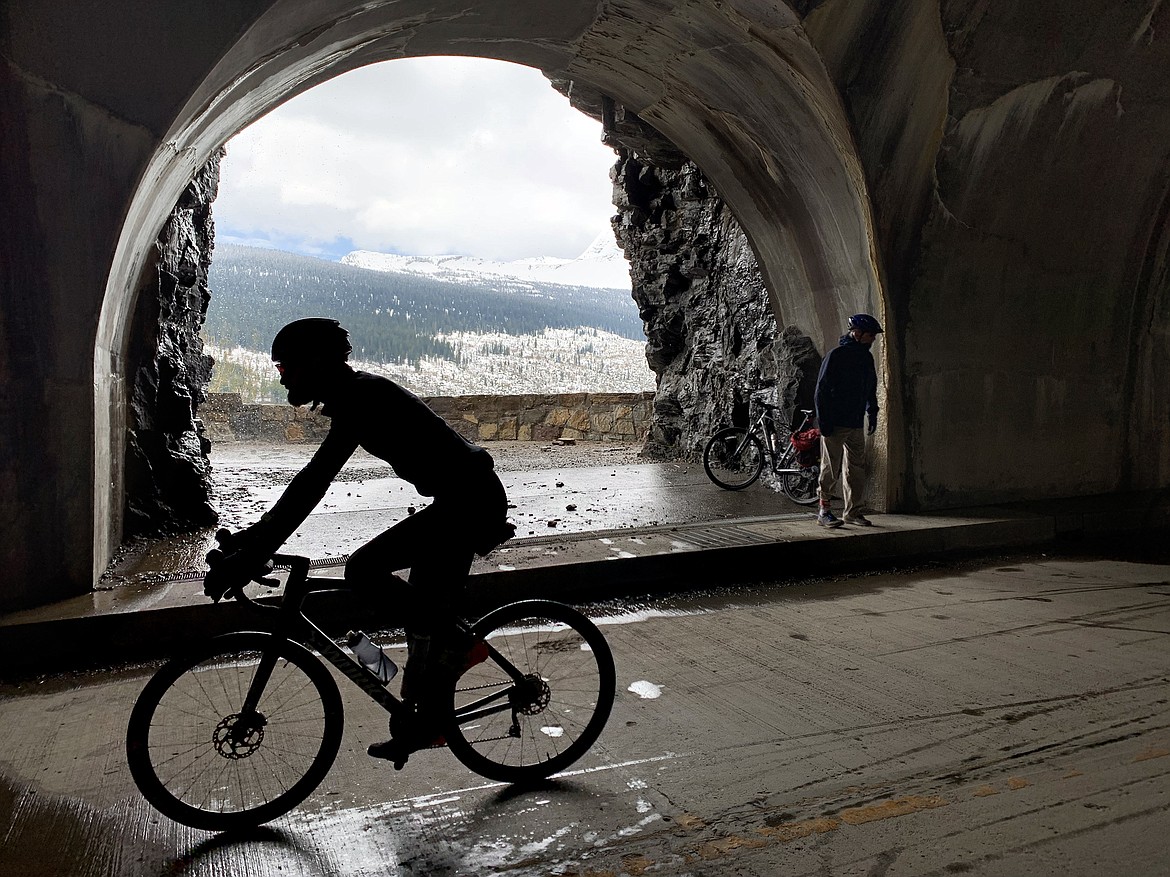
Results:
[467, 522]
[368, 570]
[437, 544]
[430, 545]
[426, 606]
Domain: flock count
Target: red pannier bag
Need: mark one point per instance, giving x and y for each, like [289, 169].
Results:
[808, 447]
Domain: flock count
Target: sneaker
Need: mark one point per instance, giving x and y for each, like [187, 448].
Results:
[827, 519]
[398, 749]
[393, 750]
[859, 519]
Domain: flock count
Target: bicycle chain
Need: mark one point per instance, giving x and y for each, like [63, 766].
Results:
[480, 687]
[491, 739]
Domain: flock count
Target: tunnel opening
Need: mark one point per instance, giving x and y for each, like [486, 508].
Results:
[489, 220]
[582, 335]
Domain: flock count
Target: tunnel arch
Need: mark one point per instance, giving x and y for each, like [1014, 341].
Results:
[736, 86]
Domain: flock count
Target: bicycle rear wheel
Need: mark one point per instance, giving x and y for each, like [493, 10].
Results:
[733, 458]
[201, 759]
[539, 700]
[801, 487]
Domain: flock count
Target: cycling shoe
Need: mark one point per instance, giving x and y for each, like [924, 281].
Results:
[410, 731]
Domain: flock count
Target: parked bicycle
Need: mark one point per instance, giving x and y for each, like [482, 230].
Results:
[734, 457]
[242, 728]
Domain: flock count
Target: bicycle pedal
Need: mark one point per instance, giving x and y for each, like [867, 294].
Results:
[391, 750]
[398, 751]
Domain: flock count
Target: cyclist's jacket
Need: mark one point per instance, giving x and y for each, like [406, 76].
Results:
[390, 422]
[846, 387]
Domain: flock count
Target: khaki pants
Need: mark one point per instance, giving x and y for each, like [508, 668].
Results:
[844, 446]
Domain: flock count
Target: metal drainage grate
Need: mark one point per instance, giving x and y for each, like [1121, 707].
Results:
[318, 562]
[722, 537]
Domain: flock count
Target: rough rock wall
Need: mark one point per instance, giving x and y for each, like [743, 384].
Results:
[167, 467]
[712, 338]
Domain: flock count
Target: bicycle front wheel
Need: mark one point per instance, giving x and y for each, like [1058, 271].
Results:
[733, 458]
[203, 759]
[539, 699]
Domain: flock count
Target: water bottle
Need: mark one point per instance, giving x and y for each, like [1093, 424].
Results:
[371, 656]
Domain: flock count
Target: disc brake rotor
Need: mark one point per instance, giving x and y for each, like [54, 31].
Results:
[235, 737]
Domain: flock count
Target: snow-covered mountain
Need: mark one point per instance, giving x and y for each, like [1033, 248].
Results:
[601, 266]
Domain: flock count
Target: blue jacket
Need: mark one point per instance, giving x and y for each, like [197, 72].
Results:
[846, 387]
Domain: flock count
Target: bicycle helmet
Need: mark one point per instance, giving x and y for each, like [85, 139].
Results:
[865, 323]
[314, 339]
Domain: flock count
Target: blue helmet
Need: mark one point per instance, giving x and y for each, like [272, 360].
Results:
[865, 323]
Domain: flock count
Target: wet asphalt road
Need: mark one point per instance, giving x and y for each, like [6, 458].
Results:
[1007, 716]
[552, 488]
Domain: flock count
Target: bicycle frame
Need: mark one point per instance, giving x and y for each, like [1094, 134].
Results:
[290, 623]
[766, 426]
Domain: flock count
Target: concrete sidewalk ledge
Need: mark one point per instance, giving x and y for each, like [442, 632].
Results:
[149, 621]
[155, 621]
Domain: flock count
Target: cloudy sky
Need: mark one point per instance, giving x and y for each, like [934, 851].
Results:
[420, 157]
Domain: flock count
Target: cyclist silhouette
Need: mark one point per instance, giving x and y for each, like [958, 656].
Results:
[468, 515]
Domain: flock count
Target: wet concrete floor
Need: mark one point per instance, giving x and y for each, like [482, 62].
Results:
[1003, 716]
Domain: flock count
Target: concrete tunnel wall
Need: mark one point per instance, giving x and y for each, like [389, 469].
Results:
[889, 157]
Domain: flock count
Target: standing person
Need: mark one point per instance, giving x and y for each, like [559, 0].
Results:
[468, 515]
[846, 396]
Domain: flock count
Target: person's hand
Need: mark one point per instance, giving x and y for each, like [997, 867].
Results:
[872, 426]
[221, 577]
[232, 565]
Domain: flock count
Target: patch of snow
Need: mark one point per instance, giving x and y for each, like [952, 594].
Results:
[645, 690]
[601, 266]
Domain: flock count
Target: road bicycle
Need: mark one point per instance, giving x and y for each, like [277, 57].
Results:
[242, 728]
[734, 457]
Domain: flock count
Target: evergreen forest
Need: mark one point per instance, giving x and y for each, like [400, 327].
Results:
[392, 317]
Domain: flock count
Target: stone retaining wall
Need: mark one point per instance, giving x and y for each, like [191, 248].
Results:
[605, 417]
